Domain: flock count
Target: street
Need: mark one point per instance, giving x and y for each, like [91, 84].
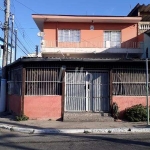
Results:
[13, 140]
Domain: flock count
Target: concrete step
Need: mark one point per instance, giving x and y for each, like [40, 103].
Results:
[86, 116]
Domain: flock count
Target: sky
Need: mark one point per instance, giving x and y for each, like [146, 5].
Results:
[27, 29]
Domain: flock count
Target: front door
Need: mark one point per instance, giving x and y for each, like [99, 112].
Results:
[87, 91]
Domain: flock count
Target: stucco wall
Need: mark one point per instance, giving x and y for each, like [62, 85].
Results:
[42, 107]
[14, 104]
[128, 101]
[128, 31]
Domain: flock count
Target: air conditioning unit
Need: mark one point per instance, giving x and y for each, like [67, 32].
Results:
[107, 44]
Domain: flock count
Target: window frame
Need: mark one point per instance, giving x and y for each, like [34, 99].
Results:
[111, 40]
[68, 38]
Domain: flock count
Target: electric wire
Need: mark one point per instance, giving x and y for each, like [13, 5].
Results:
[19, 46]
[26, 6]
[22, 36]
[31, 43]
[23, 33]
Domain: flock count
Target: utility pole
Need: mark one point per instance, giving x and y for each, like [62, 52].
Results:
[5, 55]
[12, 35]
[15, 43]
[6, 35]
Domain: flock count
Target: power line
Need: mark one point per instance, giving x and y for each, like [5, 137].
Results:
[23, 46]
[29, 42]
[13, 6]
[22, 36]
[25, 32]
[22, 50]
[25, 6]
[19, 46]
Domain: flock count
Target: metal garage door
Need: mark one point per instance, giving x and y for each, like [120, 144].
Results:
[87, 91]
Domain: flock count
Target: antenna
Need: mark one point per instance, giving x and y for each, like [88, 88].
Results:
[130, 7]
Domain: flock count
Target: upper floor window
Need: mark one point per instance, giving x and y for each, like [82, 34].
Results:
[112, 39]
[69, 35]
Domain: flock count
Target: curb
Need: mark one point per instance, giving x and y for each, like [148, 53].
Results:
[71, 131]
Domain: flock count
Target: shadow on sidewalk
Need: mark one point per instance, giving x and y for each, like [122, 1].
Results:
[87, 137]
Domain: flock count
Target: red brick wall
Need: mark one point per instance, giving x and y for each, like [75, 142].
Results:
[14, 104]
[42, 107]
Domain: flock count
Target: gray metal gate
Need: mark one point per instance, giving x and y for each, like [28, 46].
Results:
[87, 91]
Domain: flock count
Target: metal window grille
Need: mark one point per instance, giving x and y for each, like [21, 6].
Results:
[43, 81]
[129, 82]
[69, 35]
[15, 81]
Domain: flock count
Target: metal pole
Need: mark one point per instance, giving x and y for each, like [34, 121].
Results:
[5, 55]
[36, 50]
[6, 35]
[12, 33]
[147, 91]
[15, 44]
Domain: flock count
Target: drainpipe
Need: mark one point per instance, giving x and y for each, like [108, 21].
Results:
[147, 92]
[57, 34]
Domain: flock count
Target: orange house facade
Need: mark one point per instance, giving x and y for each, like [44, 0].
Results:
[81, 36]
[87, 63]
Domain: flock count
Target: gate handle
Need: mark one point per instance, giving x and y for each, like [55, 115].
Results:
[88, 86]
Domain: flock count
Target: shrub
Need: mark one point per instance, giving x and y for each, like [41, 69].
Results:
[115, 110]
[136, 113]
[22, 118]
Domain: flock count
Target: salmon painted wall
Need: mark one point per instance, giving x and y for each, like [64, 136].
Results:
[42, 107]
[128, 101]
[128, 32]
[14, 104]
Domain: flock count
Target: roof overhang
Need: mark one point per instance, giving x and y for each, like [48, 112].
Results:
[47, 59]
[40, 19]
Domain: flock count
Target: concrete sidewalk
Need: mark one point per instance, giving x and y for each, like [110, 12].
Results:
[47, 126]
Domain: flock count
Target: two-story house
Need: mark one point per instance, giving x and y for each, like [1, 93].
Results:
[85, 36]
[87, 64]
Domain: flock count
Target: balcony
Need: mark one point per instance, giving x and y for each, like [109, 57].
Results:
[84, 47]
[144, 26]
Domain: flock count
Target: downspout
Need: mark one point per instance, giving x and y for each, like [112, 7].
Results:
[56, 34]
[23, 90]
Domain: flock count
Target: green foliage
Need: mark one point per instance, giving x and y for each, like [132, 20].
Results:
[136, 113]
[115, 110]
[22, 118]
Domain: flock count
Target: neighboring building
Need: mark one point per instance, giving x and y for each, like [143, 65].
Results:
[144, 25]
[87, 64]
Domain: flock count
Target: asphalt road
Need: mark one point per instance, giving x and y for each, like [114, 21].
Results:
[13, 141]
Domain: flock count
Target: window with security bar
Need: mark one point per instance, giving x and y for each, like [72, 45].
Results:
[129, 82]
[112, 39]
[15, 81]
[43, 81]
[69, 35]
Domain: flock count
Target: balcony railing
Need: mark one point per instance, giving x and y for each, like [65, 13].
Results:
[144, 26]
[87, 44]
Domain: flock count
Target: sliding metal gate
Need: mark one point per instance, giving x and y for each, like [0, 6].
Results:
[87, 91]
